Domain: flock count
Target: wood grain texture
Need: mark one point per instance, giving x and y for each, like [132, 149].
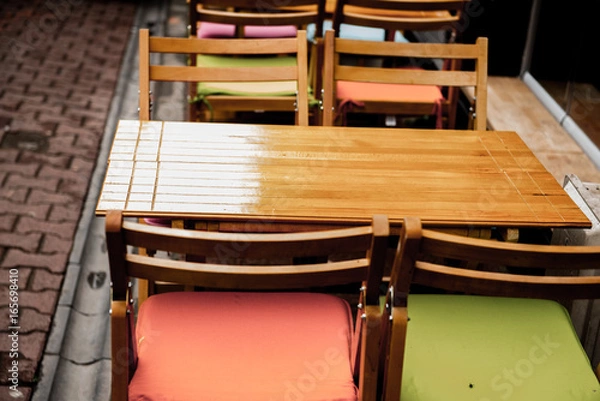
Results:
[238, 172]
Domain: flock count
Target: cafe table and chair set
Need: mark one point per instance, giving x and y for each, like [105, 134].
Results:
[330, 262]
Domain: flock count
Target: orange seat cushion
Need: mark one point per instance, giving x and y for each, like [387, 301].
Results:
[374, 91]
[233, 346]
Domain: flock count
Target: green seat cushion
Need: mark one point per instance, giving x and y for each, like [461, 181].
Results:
[276, 88]
[471, 348]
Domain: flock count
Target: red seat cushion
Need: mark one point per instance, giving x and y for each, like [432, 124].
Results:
[216, 30]
[232, 346]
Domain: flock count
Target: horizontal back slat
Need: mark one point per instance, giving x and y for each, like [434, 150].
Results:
[411, 5]
[510, 254]
[253, 4]
[506, 285]
[406, 76]
[248, 261]
[423, 24]
[260, 19]
[215, 244]
[223, 46]
[223, 74]
[238, 277]
[391, 49]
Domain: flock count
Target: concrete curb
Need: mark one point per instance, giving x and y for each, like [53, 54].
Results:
[76, 361]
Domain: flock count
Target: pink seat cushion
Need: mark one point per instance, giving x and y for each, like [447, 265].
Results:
[233, 346]
[215, 30]
[157, 221]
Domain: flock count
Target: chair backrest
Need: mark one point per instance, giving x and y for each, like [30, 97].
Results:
[242, 13]
[392, 15]
[232, 47]
[437, 260]
[476, 78]
[222, 251]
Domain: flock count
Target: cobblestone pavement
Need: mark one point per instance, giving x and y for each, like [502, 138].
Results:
[59, 65]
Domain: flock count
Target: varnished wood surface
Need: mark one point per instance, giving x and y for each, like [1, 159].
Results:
[288, 174]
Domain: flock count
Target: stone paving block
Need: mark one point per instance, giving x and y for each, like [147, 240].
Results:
[27, 169]
[29, 320]
[42, 279]
[31, 225]
[63, 213]
[38, 196]
[6, 394]
[52, 244]
[64, 174]
[18, 195]
[15, 258]
[47, 183]
[42, 301]
[7, 222]
[56, 160]
[28, 242]
[26, 369]
[8, 155]
[30, 346]
[23, 274]
[40, 87]
[33, 211]
[73, 188]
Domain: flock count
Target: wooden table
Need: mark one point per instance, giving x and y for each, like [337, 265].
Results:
[268, 176]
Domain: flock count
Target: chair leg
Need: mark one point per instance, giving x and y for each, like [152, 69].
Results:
[120, 351]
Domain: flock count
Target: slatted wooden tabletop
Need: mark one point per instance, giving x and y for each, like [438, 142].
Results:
[290, 174]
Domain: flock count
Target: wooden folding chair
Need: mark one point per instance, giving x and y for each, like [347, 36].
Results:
[402, 91]
[253, 19]
[393, 16]
[270, 330]
[244, 82]
[495, 333]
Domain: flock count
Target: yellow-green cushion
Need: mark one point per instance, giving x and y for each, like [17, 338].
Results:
[280, 88]
[468, 348]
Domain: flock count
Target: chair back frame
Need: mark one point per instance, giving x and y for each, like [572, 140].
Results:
[333, 71]
[242, 13]
[366, 247]
[400, 15]
[149, 72]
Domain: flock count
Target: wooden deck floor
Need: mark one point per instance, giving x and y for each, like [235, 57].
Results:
[512, 106]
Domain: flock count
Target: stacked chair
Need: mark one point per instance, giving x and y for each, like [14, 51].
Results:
[251, 20]
[399, 16]
[401, 21]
